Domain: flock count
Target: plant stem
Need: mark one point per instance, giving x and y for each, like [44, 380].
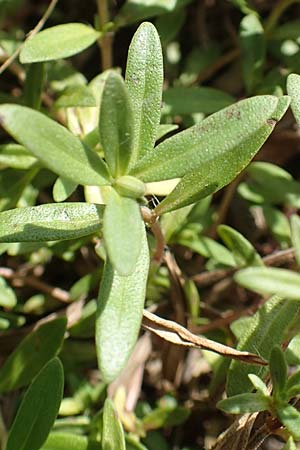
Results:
[276, 13]
[106, 41]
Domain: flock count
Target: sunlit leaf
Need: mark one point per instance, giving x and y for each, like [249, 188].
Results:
[120, 308]
[58, 42]
[123, 230]
[53, 145]
[270, 280]
[112, 430]
[144, 79]
[244, 403]
[116, 124]
[50, 222]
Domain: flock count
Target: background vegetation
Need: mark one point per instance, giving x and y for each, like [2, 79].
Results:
[224, 266]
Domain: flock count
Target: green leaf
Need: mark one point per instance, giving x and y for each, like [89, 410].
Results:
[270, 280]
[62, 189]
[163, 129]
[55, 221]
[112, 430]
[221, 156]
[242, 250]
[253, 49]
[217, 148]
[278, 224]
[290, 418]
[38, 409]
[258, 384]
[165, 417]
[8, 297]
[16, 156]
[293, 89]
[190, 100]
[116, 124]
[244, 403]
[278, 369]
[144, 80]
[120, 308]
[76, 96]
[67, 441]
[265, 329]
[53, 145]
[58, 42]
[273, 184]
[295, 235]
[122, 230]
[34, 351]
[209, 248]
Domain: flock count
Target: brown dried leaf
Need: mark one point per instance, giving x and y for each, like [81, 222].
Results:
[177, 334]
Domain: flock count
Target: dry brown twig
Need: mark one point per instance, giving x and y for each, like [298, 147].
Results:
[177, 334]
[30, 35]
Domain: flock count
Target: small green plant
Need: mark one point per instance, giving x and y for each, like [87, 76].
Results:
[203, 159]
[109, 140]
[277, 400]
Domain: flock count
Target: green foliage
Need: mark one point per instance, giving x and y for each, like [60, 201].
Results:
[111, 145]
[120, 308]
[57, 42]
[38, 409]
[32, 354]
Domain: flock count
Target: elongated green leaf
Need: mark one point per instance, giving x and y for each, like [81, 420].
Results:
[244, 403]
[32, 354]
[122, 230]
[16, 156]
[69, 441]
[62, 189]
[38, 409]
[290, 418]
[295, 235]
[253, 50]
[116, 124]
[278, 224]
[58, 42]
[190, 100]
[209, 248]
[217, 157]
[278, 369]
[112, 430]
[53, 145]
[270, 280]
[76, 96]
[293, 88]
[265, 329]
[144, 80]
[120, 308]
[243, 251]
[221, 145]
[50, 222]
[258, 384]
